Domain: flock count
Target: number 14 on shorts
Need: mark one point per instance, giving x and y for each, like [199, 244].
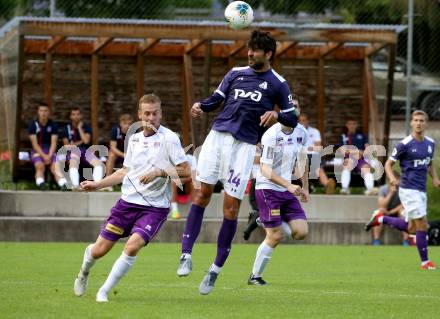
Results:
[234, 179]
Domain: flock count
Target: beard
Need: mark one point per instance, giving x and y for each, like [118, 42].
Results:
[257, 66]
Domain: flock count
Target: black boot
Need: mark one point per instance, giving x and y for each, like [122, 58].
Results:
[252, 224]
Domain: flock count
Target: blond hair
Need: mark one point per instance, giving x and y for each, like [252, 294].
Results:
[419, 112]
[149, 99]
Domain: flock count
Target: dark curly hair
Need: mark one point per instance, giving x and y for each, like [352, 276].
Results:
[263, 41]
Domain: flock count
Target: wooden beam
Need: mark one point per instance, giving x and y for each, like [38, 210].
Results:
[100, 43]
[187, 87]
[140, 69]
[389, 95]
[193, 45]
[284, 47]
[329, 48]
[321, 95]
[236, 48]
[219, 50]
[374, 48]
[94, 97]
[48, 79]
[147, 45]
[54, 43]
[207, 67]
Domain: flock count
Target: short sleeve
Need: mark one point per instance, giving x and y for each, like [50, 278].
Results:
[64, 132]
[54, 128]
[175, 151]
[114, 134]
[268, 144]
[32, 128]
[223, 88]
[398, 151]
[87, 129]
[128, 153]
[287, 103]
[317, 136]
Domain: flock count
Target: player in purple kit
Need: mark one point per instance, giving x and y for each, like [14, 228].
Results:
[79, 134]
[415, 154]
[43, 134]
[153, 155]
[249, 95]
[282, 148]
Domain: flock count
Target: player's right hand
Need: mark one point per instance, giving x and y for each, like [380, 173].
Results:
[196, 111]
[89, 186]
[295, 189]
[394, 182]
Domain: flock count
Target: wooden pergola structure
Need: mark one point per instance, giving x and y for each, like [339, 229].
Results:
[142, 38]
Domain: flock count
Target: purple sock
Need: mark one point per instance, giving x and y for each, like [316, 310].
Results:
[395, 222]
[224, 241]
[422, 245]
[192, 228]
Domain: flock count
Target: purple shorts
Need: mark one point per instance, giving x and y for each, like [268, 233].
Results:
[35, 157]
[128, 218]
[276, 207]
[360, 163]
[82, 158]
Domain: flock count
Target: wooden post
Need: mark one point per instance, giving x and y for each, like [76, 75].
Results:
[19, 106]
[321, 97]
[389, 95]
[140, 75]
[94, 98]
[372, 109]
[48, 80]
[206, 83]
[187, 124]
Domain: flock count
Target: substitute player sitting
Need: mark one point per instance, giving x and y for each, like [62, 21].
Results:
[153, 155]
[414, 153]
[282, 147]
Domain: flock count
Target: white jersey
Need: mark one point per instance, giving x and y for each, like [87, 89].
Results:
[280, 151]
[313, 136]
[145, 153]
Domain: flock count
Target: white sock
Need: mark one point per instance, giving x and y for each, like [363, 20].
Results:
[120, 268]
[186, 256]
[74, 176]
[368, 181]
[98, 173]
[88, 260]
[286, 229]
[215, 268]
[345, 178]
[61, 182]
[39, 181]
[174, 206]
[264, 253]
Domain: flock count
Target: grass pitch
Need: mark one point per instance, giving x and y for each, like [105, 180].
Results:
[304, 282]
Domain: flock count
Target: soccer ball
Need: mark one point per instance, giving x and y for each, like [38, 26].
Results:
[239, 15]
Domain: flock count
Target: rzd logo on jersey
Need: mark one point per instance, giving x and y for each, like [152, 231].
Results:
[422, 162]
[255, 95]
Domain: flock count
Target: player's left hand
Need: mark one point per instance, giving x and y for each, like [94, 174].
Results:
[304, 196]
[150, 176]
[268, 118]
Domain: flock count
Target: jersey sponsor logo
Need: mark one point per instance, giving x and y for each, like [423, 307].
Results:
[255, 95]
[148, 227]
[114, 229]
[275, 212]
[422, 162]
[263, 85]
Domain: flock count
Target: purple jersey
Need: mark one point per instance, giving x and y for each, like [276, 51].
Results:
[247, 96]
[415, 157]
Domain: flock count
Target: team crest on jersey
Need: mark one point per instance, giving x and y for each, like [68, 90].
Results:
[263, 85]
[49, 129]
[299, 139]
[429, 149]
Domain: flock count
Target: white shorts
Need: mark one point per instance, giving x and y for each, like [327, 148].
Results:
[223, 158]
[414, 203]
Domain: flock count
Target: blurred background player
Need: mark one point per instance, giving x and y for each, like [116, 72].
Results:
[314, 145]
[152, 156]
[79, 134]
[43, 134]
[415, 154]
[282, 147]
[353, 136]
[390, 205]
[117, 142]
[183, 194]
[249, 95]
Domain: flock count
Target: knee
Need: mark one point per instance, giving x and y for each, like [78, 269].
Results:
[300, 235]
[99, 250]
[230, 212]
[132, 248]
[275, 238]
[202, 197]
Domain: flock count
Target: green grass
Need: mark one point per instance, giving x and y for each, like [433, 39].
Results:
[305, 282]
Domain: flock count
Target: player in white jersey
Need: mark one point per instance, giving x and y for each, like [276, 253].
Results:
[283, 149]
[154, 156]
